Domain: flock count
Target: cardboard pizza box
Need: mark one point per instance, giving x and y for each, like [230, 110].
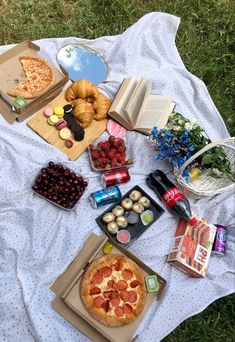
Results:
[11, 73]
[68, 302]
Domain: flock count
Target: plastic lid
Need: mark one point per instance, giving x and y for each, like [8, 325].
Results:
[192, 221]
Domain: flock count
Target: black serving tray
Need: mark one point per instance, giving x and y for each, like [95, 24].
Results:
[137, 229]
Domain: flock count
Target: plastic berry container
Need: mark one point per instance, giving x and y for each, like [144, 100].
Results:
[96, 160]
[59, 185]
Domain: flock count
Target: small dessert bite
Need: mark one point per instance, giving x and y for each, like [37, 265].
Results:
[135, 195]
[146, 217]
[123, 236]
[127, 203]
[48, 112]
[64, 133]
[132, 217]
[118, 211]
[121, 222]
[138, 208]
[52, 120]
[108, 217]
[112, 228]
[145, 201]
[59, 111]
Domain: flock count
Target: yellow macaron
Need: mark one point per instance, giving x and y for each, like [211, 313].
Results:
[58, 111]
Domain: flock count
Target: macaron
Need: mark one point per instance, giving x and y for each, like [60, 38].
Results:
[61, 124]
[52, 120]
[48, 112]
[68, 143]
[65, 133]
[58, 111]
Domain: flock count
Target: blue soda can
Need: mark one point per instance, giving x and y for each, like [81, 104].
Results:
[105, 196]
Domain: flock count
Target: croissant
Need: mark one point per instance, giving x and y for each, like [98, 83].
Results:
[83, 112]
[101, 106]
[82, 89]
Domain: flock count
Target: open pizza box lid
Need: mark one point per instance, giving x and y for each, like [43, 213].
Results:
[11, 73]
[68, 302]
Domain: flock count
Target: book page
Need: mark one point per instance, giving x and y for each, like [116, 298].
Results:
[122, 97]
[156, 112]
[134, 105]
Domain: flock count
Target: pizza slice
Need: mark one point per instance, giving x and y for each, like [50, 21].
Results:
[39, 78]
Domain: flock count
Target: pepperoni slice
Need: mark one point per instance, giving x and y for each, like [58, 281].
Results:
[95, 290]
[110, 283]
[115, 301]
[127, 274]
[124, 295]
[122, 285]
[114, 295]
[134, 283]
[106, 271]
[97, 278]
[106, 306]
[132, 296]
[118, 266]
[127, 309]
[119, 311]
[99, 302]
[107, 294]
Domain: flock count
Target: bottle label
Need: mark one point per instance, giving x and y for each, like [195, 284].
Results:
[171, 196]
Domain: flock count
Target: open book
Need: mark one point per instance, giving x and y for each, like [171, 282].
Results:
[136, 109]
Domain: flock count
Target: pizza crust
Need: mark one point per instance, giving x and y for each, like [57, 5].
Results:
[109, 318]
[44, 68]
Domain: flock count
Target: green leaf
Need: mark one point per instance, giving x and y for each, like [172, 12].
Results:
[207, 159]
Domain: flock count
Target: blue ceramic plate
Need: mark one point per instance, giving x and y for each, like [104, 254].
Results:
[82, 62]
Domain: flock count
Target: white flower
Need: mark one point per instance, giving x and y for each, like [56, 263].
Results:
[188, 126]
[177, 128]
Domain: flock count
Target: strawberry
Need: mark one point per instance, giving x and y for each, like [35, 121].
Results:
[112, 139]
[116, 144]
[114, 162]
[122, 149]
[121, 142]
[91, 147]
[94, 155]
[102, 154]
[123, 162]
[111, 154]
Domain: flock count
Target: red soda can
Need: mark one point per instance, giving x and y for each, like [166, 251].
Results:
[115, 177]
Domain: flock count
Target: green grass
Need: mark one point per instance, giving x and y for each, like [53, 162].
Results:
[206, 43]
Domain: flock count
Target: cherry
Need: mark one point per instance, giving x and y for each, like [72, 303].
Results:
[51, 164]
[85, 184]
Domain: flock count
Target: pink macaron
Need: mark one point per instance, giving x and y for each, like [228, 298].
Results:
[48, 112]
[61, 124]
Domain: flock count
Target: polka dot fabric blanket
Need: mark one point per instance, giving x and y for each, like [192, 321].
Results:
[38, 240]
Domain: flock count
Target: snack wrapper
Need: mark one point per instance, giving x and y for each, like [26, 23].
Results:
[192, 246]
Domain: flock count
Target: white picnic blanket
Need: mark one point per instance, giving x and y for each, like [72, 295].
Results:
[38, 240]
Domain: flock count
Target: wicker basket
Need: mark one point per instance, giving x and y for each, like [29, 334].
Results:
[206, 185]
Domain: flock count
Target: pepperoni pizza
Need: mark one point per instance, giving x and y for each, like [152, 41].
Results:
[39, 77]
[113, 290]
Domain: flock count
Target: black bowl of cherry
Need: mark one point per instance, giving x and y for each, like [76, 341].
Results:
[59, 185]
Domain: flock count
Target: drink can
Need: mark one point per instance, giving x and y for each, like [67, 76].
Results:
[219, 246]
[105, 196]
[115, 177]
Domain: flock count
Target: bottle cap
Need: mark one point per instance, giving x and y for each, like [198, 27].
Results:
[192, 221]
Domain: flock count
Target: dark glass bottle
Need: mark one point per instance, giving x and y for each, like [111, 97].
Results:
[170, 195]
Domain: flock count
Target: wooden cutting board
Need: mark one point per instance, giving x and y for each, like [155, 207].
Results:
[39, 124]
